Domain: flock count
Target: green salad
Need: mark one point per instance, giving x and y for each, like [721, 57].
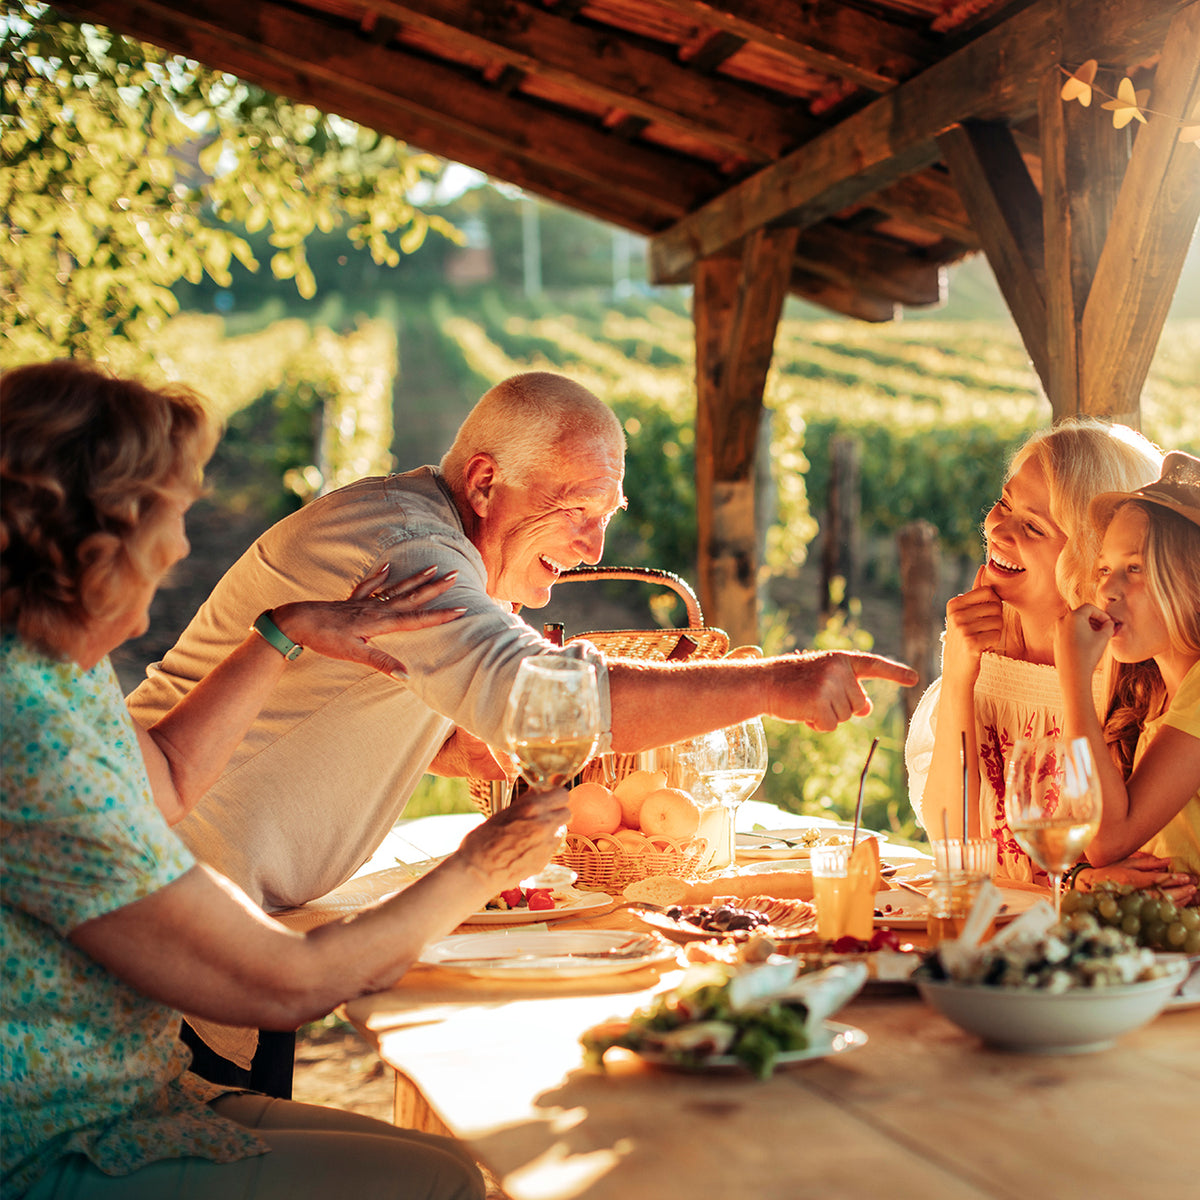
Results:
[751, 1014]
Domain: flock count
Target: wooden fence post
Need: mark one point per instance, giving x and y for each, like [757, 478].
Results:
[921, 614]
[839, 555]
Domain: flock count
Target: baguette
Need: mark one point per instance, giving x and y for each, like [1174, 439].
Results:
[671, 889]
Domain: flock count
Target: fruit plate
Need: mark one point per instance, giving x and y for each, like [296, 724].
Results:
[786, 920]
[547, 953]
[576, 905]
[830, 1038]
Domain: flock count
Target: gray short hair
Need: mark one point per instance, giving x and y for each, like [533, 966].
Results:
[522, 419]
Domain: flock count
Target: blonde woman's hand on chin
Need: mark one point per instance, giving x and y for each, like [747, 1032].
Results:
[518, 840]
[974, 623]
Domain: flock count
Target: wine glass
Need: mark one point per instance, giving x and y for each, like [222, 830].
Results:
[552, 720]
[1052, 802]
[730, 765]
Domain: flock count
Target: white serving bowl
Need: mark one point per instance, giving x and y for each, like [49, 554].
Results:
[1039, 1022]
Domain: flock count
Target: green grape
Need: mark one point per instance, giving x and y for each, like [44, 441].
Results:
[1191, 943]
[1167, 911]
[1191, 919]
[1107, 909]
[1176, 935]
[1131, 905]
[1154, 934]
[1131, 925]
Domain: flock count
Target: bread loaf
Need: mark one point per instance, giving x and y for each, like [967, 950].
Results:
[670, 889]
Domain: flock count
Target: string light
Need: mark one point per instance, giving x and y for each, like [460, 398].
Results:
[1127, 105]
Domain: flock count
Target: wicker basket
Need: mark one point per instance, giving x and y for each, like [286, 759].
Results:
[600, 863]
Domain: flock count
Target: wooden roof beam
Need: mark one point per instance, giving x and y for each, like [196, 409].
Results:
[627, 76]
[844, 42]
[842, 298]
[871, 264]
[387, 82]
[930, 201]
[993, 77]
[389, 116]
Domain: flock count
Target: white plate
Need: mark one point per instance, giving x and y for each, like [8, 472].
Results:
[1188, 995]
[764, 844]
[771, 865]
[544, 953]
[584, 902]
[909, 911]
[831, 1038]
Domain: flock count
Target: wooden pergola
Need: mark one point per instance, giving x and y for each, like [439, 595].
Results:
[843, 151]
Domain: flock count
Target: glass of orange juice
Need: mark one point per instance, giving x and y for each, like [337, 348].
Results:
[845, 900]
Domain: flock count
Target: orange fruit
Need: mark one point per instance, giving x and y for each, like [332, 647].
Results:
[594, 809]
[633, 789]
[670, 812]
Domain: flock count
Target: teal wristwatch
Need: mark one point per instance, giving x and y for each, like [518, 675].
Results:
[270, 632]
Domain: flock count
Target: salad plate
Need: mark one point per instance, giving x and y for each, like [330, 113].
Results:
[827, 1039]
[571, 906]
[781, 920]
[548, 953]
[898, 909]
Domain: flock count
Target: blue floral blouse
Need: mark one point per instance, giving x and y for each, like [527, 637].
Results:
[87, 1064]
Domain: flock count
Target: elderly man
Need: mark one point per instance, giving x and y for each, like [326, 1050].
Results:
[525, 492]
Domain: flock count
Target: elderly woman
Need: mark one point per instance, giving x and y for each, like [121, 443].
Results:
[109, 924]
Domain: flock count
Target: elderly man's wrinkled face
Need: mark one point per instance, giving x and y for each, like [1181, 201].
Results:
[534, 530]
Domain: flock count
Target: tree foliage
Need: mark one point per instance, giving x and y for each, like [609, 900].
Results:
[126, 169]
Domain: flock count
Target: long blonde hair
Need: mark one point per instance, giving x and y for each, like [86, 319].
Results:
[1171, 561]
[1080, 457]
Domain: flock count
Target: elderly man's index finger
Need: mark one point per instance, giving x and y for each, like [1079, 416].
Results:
[874, 666]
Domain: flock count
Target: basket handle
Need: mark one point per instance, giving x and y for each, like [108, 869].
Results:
[644, 575]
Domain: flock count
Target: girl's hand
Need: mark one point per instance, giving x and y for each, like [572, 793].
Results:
[1141, 870]
[1080, 638]
[974, 623]
[344, 628]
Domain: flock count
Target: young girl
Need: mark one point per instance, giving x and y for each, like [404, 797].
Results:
[1147, 613]
[998, 681]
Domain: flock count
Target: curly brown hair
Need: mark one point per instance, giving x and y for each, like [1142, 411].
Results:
[87, 462]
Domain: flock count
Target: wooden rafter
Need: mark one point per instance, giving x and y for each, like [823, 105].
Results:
[275, 42]
[844, 42]
[630, 77]
[895, 136]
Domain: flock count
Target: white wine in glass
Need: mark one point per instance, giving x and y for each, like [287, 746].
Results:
[552, 721]
[1052, 802]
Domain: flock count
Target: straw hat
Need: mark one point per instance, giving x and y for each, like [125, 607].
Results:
[1177, 488]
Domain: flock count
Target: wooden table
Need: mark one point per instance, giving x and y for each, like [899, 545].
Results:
[921, 1111]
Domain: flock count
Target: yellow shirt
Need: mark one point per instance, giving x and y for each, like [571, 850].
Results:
[1179, 839]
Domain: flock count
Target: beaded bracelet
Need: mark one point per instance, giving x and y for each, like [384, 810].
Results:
[1073, 874]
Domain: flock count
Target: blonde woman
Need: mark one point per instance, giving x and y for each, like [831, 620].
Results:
[110, 925]
[998, 680]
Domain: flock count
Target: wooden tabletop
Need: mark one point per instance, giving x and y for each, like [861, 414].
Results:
[922, 1110]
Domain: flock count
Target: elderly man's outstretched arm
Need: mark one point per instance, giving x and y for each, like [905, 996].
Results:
[657, 703]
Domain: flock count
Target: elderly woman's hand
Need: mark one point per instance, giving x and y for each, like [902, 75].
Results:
[518, 840]
[344, 628]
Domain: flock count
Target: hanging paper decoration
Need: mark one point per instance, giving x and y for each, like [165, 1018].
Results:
[1128, 104]
[1079, 86]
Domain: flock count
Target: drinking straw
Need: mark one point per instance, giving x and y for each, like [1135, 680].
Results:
[862, 780]
[966, 832]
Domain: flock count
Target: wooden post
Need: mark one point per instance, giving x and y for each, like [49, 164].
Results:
[737, 301]
[921, 613]
[839, 555]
